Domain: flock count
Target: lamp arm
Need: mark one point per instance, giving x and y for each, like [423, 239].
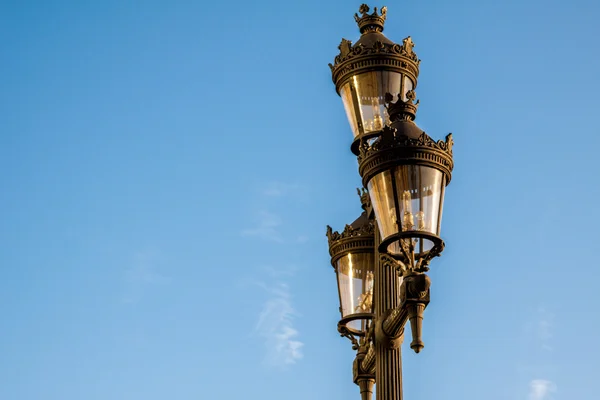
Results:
[415, 294]
[394, 323]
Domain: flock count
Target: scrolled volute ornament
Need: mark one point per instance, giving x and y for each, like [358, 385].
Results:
[345, 332]
[409, 265]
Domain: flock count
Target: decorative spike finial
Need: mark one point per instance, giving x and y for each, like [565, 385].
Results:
[365, 200]
[370, 22]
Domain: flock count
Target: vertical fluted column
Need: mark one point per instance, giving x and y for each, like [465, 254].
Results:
[388, 358]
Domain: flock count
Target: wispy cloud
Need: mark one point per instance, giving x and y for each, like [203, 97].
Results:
[280, 189]
[540, 329]
[276, 326]
[267, 228]
[302, 239]
[541, 389]
[539, 334]
[545, 324]
[279, 273]
[141, 275]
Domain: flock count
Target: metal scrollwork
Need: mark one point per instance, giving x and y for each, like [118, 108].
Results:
[344, 332]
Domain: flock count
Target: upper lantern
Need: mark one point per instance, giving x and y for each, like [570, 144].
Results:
[374, 66]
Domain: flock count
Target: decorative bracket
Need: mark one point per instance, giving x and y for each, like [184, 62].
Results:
[345, 332]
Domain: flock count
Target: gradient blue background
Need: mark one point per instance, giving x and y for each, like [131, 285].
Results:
[167, 169]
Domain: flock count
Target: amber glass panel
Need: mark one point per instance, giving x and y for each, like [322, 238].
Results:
[355, 283]
[408, 198]
[363, 98]
[347, 95]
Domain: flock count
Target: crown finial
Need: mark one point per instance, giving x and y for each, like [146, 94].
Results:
[402, 109]
[370, 22]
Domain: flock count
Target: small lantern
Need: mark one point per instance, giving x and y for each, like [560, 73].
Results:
[352, 257]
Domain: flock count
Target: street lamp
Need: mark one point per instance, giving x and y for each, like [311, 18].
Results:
[405, 172]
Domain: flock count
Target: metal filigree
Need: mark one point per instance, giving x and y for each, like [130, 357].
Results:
[392, 148]
[345, 332]
[348, 52]
[373, 51]
[360, 239]
[407, 264]
[349, 232]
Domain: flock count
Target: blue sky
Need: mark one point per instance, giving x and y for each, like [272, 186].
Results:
[168, 169]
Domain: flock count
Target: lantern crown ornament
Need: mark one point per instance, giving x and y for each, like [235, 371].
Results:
[370, 22]
[356, 236]
[376, 156]
[405, 110]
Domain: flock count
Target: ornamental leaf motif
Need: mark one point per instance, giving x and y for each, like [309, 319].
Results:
[349, 231]
[347, 52]
[389, 138]
[378, 46]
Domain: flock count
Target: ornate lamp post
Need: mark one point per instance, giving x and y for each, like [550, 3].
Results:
[406, 173]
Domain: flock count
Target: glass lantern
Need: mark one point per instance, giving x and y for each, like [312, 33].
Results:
[353, 258]
[406, 173]
[355, 272]
[364, 99]
[408, 199]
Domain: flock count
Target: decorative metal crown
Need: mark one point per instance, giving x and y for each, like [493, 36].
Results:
[370, 22]
[393, 148]
[373, 52]
[402, 110]
[349, 232]
[357, 240]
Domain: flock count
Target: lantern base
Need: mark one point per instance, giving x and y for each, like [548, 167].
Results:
[343, 324]
[409, 256]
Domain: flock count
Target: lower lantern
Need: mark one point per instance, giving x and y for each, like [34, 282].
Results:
[353, 258]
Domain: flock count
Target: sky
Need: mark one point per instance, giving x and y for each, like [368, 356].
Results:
[168, 169]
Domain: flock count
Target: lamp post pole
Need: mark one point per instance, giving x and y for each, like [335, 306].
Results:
[388, 352]
[381, 259]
